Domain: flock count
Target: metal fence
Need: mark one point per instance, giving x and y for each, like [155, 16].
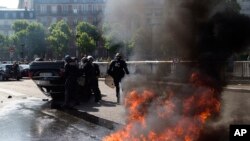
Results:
[239, 69]
[145, 67]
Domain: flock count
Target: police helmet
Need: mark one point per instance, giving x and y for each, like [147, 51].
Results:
[90, 58]
[67, 58]
[118, 56]
[84, 59]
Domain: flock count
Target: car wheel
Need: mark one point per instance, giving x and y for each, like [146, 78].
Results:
[1, 77]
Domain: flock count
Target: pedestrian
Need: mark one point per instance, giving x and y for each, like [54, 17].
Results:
[15, 70]
[117, 70]
[92, 72]
[71, 74]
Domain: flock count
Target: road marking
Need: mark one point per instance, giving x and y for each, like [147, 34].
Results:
[10, 92]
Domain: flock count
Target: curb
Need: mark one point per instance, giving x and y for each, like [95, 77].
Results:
[237, 89]
[93, 119]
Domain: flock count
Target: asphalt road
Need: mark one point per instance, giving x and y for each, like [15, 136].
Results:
[25, 115]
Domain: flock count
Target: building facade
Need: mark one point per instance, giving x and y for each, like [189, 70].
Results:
[26, 4]
[9, 16]
[72, 11]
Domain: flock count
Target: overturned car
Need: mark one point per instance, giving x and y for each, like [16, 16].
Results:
[49, 77]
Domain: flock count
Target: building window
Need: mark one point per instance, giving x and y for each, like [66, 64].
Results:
[38, 9]
[14, 15]
[75, 10]
[53, 20]
[65, 9]
[31, 15]
[59, 9]
[54, 9]
[6, 15]
[90, 7]
[22, 15]
[43, 9]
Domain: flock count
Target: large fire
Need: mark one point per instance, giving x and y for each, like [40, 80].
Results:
[168, 116]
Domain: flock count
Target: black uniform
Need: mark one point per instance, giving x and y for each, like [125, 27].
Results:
[92, 72]
[71, 74]
[117, 70]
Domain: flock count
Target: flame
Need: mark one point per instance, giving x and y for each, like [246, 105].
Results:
[157, 117]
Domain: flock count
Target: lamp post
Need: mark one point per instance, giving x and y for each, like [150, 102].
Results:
[22, 53]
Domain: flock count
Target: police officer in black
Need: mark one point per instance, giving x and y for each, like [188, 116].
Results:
[84, 89]
[92, 72]
[117, 69]
[71, 74]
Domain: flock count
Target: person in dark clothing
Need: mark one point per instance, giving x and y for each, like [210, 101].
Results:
[71, 74]
[15, 70]
[84, 89]
[117, 70]
[92, 72]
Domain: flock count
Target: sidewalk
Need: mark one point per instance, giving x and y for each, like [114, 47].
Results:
[108, 113]
[112, 115]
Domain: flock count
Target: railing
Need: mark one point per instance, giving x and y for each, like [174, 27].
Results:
[146, 67]
[241, 69]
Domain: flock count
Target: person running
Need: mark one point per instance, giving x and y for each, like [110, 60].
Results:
[117, 70]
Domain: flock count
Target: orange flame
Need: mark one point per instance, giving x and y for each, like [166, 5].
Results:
[154, 117]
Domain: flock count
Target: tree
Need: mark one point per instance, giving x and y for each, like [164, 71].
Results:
[85, 43]
[36, 39]
[20, 25]
[87, 37]
[18, 40]
[29, 38]
[59, 38]
[4, 53]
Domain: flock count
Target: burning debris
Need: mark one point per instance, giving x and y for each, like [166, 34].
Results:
[169, 116]
[206, 32]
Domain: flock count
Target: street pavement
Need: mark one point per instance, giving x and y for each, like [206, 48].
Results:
[112, 115]
[107, 113]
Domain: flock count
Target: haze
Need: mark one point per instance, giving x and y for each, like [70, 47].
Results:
[9, 3]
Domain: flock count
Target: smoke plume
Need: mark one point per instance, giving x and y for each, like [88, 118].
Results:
[205, 32]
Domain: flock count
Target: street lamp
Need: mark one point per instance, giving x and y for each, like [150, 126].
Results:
[22, 53]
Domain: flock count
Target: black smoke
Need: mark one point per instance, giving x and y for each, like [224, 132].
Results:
[221, 36]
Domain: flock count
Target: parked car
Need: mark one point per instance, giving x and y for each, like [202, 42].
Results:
[7, 71]
[24, 70]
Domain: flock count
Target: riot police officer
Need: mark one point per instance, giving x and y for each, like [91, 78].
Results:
[92, 72]
[117, 69]
[71, 74]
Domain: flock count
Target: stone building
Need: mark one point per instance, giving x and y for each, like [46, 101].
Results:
[9, 16]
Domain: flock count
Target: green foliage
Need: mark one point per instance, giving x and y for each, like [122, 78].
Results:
[19, 38]
[85, 43]
[20, 25]
[36, 39]
[86, 37]
[2, 41]
[91, 30]
[29, 38]
[59, 37]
